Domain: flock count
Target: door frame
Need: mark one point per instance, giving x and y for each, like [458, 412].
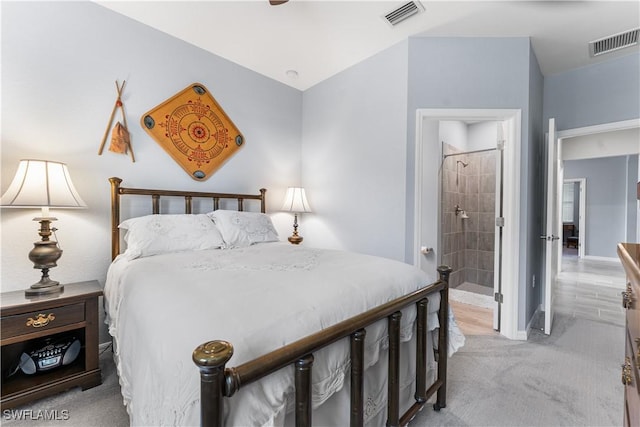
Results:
[590, 130]
[582, 211]
[511, 200]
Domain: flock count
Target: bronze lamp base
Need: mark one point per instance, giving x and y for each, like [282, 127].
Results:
[44, 255]
[45, 286]
[294, 238]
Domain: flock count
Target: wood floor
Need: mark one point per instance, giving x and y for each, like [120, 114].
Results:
[591, 289]
[473, 320]
[585, 288]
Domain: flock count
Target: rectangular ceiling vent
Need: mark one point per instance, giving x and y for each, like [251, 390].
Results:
[403, 12]
[614, 42]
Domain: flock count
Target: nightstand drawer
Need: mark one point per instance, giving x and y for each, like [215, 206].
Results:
[42, 320]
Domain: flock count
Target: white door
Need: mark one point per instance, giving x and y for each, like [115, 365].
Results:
[497, 268]
[552, 226]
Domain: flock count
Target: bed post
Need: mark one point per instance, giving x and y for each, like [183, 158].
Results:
[303, 367]
[211, 358]
[115, 216]
[443, 338]
[263, 205]
[357, 378]
[421, 351]
[393, 378]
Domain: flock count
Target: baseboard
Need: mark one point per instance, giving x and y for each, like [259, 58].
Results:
[523, 335]
[602, 258]
[105, 345]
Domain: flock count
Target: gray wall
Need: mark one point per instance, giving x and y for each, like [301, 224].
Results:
[535, 177]
[60, 61]
[606, 202]
[354, 156]
[349, 139]
[354, 138]
[602, 93]
[497, 73]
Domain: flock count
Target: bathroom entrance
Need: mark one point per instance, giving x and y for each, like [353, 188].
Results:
[470, 201]
[467, 206]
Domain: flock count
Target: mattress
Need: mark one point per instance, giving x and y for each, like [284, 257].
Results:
[259, 298]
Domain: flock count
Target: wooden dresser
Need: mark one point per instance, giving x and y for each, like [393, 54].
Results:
[629, 254]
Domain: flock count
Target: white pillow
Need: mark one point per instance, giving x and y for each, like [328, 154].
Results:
[241, 229]
[158, 234]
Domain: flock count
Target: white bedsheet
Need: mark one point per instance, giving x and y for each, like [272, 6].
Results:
[160, 308]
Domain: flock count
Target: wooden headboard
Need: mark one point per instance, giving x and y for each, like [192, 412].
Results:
[117, 191]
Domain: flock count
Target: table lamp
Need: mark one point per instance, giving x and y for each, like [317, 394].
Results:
[295, 201]
[43, 184]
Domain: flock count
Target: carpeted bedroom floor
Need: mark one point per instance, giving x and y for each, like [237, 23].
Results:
[571, 378]
[98, 406]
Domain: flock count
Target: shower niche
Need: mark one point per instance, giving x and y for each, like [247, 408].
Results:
[468, 204]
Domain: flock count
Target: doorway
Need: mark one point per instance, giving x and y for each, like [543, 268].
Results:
[610, 140]
[432, 240]
[595, 154]
[573, 218]
[469, 197]
[470, 182]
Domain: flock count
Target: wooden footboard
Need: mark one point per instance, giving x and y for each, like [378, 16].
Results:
[218, 381]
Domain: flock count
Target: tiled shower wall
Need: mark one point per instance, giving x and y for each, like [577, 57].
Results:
[468, 244]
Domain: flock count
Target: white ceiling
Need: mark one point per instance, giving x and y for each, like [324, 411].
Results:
[318, 39]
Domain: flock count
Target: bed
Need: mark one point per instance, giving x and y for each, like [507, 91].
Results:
[215, 321]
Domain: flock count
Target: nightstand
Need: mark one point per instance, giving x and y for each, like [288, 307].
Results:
[27, 321]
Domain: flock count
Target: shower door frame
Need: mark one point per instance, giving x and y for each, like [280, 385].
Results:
[511, 231]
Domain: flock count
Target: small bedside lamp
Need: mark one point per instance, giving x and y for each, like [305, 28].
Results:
[43, 184]
[295, 201]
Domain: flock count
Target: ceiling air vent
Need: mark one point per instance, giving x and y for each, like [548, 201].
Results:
[403, 12]
[614, 42]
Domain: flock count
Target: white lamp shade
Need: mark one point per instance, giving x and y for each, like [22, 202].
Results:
[41, 183]
[296, 200]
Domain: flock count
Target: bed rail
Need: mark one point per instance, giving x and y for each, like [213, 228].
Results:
[218, 382]
[117, 191]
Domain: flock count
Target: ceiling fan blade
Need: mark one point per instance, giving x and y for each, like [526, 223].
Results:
[277, 2]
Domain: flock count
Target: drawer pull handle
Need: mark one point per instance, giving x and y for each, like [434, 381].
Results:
[626, 371]
[41, 320]
[627, 297]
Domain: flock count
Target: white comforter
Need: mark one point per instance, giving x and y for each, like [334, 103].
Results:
[160, 308]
